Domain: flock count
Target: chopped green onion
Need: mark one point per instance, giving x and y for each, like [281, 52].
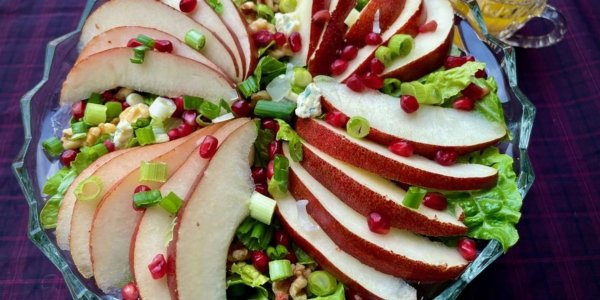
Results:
[82, 161]
[384, 54]
[286, 133]
[248, 86]
[162, 108]
[99, 149]
[277, 252]
[280, 269]
[89, 152]
[262, 207]
[265, 12]
[146, 41]
[146, 199]
[113, 109]
[141, 122]
[145, 135]
[95, 98]
[254, 235]
[53, 146]
[358, 127]
[361, 4]
[171, 203]
[414, 197]
[191, 102]
[139, 53]
[94, 114]
[132, 143]
[89, 189]
[195, 39]
[79, 127]
[216, 5]
[302, 78]
[209, 110]
[278, 110]
[153, 171]
[225, 105]
[321, 283]
[391, 86]
[401, 44]
[287, 6]
[201, 122]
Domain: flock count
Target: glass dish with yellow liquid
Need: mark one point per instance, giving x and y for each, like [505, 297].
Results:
[505, 17]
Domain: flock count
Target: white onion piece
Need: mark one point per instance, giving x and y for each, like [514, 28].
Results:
[376, 23]
[281, 86]
[303, 217]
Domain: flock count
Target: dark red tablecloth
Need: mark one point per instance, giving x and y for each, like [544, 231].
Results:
[558, 256]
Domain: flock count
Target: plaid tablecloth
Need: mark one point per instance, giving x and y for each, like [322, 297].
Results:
[558, 256]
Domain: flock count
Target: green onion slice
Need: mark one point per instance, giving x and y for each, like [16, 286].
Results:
[278, 110]
[94, 114]
[146, 199]
[414, 196]
[287, 6]
[391, 86]
[358, 127]
[302, 78]
[385, 55]
[209, 110]
[53, 146]
[401, 44]
[95, 98]
[195, 39]
[321, 283]
[145, 135]
[265, 12]
[113, 109]
[171, 203]
[248, 86]
[191, 102]
[146, 41]
[153, 171]
[262, 208]
[280, 269]
[89, 189]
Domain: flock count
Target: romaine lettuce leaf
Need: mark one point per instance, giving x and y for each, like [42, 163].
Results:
[490, 106]
[288, 134]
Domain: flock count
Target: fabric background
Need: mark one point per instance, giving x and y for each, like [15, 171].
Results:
[558, 256]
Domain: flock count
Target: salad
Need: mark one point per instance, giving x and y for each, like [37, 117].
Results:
[292, 149]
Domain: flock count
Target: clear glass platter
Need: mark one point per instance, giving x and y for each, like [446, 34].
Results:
[40, 104]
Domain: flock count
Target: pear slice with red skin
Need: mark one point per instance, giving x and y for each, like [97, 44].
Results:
[152, 231]
[389, 10]
[399, 253]
[366, 281]
[119, 36]
[111, 173]
[162, 74]
[154, 14]
[415, 170]
[318, 28]
[366, 192]
[429, 129]
[431, 48]
[206, 224]
[407, 23]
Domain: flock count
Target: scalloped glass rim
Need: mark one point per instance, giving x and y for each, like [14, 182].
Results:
[81, 289]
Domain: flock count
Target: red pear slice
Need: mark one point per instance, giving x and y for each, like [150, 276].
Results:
[366, 192]
[207, 223]
[119, 36]
[332, 40]
[389, 10]
[318, 28]
[154, 14]
[110, 174]
[415, 170]
[429, 129]
[399, 253]
[359, 277]
[162, 74]
[152, 232]
[406, 23]
[431, 48]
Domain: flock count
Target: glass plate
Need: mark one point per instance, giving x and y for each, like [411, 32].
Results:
[40, 105]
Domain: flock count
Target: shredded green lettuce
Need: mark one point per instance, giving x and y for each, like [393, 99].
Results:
[288, 134]
[303, 257]
[267, 69]
[49, 214]
[261, 146]
[490, 106]
[492, 214]
[337, 295]
[52, 184]
[216, 5]
[249, 274]
[246, 277]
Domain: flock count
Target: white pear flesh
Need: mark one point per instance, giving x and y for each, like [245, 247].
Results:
[303, 13]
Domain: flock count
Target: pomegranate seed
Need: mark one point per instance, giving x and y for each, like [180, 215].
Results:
[270, 170]
[67, 157]
[430, 26]
[275, 147]
[337, 119]
[271, 125]
[110, 146]
[173, 134]
[130, 292]
[241, 108]
[262, 188]
[349, 53]
[467, 248]
[435, 201]
[108, 95]
[409, 103]
[481, 74]
[282, 238]
[260, 260]
[132, 43]
[295, 41]
[338, 67]
[446, 157]
[378, 223]
[141, 188]
[158, 267]
[464, 103]
[402, 148]
[185, 130]
[163, 46]
[377, 67]
[355, 83]
[373, 39]
[189, 118]
[454, 61]
[259, 174]
[179, 104]
[279, 38]
[124, 105]
[263, 38]
[373, 81]
[321, 17]
[291, 256]
[187, 6]
[78, 109]
[209, 146]
[475, 92]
